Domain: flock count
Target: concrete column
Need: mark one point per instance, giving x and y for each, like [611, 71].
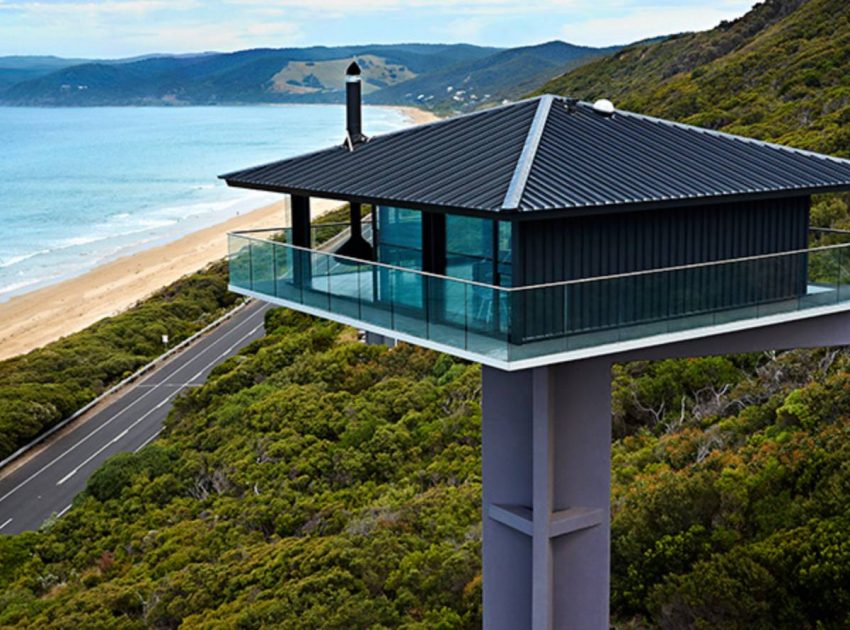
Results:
[374, 339]
[546, 474]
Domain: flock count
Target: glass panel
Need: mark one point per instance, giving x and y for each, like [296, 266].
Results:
[525, 323]
[239, 265]
[406, 288]
[469, 248]
[344, 289]
[287, 287]
[262, 267]
[315, 281]
[400, 237]
[447, 311]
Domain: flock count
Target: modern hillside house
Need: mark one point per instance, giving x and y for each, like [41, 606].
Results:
[545, 239]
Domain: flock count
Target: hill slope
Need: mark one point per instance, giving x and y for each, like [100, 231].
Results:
[307, 75]
[259, 75]
[506, 74]
[315, 482]
[781, 72]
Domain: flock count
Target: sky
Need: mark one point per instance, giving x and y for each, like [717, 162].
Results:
[124, 28]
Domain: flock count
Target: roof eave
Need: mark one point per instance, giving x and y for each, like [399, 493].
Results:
[373, 200]
[531, 214]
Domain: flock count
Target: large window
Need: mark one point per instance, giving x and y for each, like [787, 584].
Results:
[475, 249]
[400, 245]
[400, 237]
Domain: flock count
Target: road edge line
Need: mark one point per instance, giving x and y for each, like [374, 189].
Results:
[120, 385]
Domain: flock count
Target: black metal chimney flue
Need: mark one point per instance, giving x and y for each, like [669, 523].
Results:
[352, 105]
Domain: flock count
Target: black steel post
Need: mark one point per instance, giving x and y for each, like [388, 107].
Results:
[302, 272]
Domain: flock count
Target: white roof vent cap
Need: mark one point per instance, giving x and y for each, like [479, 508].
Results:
[604, 107]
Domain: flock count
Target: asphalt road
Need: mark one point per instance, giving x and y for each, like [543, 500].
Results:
[47, 483]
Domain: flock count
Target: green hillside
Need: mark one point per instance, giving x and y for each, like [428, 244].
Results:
[316, 482]
[288, 75]
[782, 73]
[507, 74]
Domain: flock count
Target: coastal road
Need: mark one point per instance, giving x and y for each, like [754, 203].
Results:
[48, 480]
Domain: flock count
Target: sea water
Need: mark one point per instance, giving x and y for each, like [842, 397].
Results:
[82, 186]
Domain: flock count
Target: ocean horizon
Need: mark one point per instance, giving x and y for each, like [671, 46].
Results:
[83, 186]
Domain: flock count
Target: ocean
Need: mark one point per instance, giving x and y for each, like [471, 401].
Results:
[79, 187]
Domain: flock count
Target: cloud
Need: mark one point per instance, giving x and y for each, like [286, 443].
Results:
[111, 7]
[478, 7]
[465, 29]
[645, 22]
[93, 28]
[233, 36]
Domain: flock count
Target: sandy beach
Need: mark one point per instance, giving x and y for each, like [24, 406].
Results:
[34, 319]
[416, 116]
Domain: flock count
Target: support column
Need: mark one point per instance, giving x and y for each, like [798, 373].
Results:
[374, 339]
[546, 474]
[301, 263]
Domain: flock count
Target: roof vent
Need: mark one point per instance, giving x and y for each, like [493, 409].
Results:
[604, 107]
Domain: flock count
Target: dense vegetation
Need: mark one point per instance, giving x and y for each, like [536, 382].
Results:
[318, 482]
[781, 72]
[313, 482]
[40, 388]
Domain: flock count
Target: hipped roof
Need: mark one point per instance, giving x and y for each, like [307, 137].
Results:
[548, 153]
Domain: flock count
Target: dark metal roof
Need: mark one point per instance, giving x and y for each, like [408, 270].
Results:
[540, 154]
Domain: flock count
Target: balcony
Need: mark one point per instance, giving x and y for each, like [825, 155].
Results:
[516, 327]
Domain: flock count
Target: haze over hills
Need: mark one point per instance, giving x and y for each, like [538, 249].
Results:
[781, 73]
[392, 74]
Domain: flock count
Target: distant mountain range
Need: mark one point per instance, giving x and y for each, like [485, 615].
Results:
[454, 77]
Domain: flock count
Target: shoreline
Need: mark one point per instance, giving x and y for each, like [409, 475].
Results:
[36, 318]
[414, 115]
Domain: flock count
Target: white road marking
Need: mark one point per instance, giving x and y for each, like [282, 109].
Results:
[169, 385]
[8, 520]
[187, 364]
[63, 510]
[148, 441]
[161, 404]
[100, 450]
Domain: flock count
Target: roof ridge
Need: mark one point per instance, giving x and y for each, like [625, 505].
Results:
[516, 188]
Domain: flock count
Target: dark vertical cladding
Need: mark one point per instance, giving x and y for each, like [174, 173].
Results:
[584, 247]
[353, 119]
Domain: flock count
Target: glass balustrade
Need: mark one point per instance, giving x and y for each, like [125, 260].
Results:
[510, 324]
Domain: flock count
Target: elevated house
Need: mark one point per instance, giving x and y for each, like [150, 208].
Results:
[518, 234]
[551, 232]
